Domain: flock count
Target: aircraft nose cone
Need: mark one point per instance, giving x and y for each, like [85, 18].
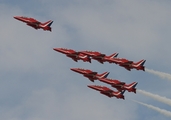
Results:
[90, 86]
[56, 49]
[73, 69]
[93, 86]
[59, 50]
[16, 17]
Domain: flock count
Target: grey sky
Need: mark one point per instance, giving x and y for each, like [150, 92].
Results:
[37, 83]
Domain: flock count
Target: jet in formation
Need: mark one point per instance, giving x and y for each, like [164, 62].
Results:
[99, 56]
[108, 92]
[73, 54]
[91, 75]
[35, 23]
[127, 64]
[138, 65]
[120, 86]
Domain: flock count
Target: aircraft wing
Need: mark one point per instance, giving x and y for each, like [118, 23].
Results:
[32, 25]
[92, 73]
[118, 83]
[75, 59]
[100, 61]
[107, 91]
[127, 62]
[127, 68]
[35, 23]
[100, 56]
[119, 88]
[73, 54]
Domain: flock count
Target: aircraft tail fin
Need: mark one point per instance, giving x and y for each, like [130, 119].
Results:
[103, 75]
[48, 23]
[123, 92]
[122, 96]
[119, 94]
[113, 55]
[140, 63]
[131, 87]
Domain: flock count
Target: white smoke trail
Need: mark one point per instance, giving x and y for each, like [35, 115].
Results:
[156, 97]
[162, 111]
[160, 74]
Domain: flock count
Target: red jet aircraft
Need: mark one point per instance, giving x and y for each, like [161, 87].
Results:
[128, 64]
[73, 54]
[108, 92]
[99, 56]
[90, 74]
[34, 23]
[120, 86]
[137, 65]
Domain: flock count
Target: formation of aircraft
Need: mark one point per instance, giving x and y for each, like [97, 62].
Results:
[86, 56]
[91, 75]
[73, 54]
[35, 23]
[108, 92]
[120, 86]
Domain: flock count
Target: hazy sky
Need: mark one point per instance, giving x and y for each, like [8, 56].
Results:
[37, 83]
